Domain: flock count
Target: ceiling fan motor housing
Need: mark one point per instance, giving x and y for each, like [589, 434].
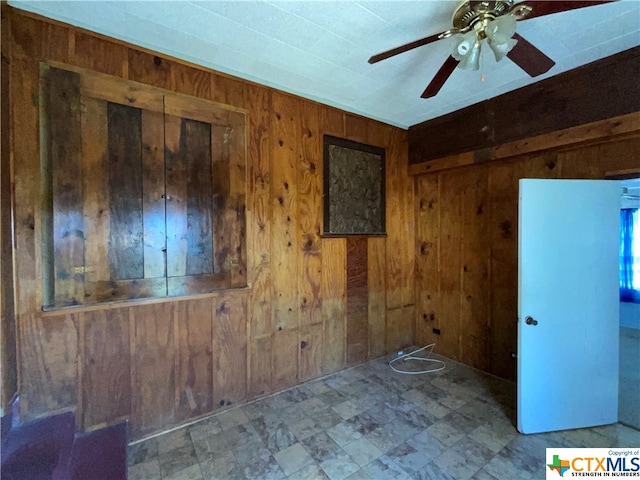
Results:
[477, 15]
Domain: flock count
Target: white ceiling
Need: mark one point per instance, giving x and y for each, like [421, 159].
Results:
[319, 49]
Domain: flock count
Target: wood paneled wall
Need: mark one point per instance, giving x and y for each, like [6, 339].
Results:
[467, 240]
[162, 362]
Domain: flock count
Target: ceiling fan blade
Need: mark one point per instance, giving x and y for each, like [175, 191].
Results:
[406, 47]
[442, 76]
[547, 7]
[529, 58]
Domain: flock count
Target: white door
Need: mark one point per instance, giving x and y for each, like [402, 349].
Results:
[568, 304]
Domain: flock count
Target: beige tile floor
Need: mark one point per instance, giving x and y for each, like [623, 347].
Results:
[368, 422]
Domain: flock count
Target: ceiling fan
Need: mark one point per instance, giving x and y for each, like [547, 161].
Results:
[474, 21]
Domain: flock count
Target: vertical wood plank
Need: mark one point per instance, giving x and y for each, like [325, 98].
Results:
[229, 349]
[259, 211]
[376, 301]
[221, 190]
[126, 244]
[451, 184]
[427, 266]
[48, 363]
[334, 295]
[503, 285]
[97, 215]
[356, 127]
[309, 190]
[357, 301]
[106, 367]
[153, 191]
[235, 214]
[284, 157]
[64, 158]
[474, 296]
[310, 352]
[194, 372]
[39, 39]
[153, 360]
[176, 206]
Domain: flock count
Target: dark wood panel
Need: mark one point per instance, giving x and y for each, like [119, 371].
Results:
[153, 193]
[587, 94]
[229, 350]
[357, 266]
[126, 232]
[188, 284]
[153, 381]
[219, 164]
[39, 39]
[105, 366]
[8, 332]
[195, 146]
[64, 163]
[357, 300]
[194, 370]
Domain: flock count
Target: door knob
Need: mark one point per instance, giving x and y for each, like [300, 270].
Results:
[530, 321]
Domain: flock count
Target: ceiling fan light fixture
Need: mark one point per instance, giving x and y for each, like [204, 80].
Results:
[466, 42]
[501, 29]
[471, 61]
[500, 50]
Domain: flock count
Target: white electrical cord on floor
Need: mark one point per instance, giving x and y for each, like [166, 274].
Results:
[410, 356]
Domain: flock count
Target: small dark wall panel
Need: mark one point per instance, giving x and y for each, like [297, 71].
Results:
[357, 300]
[593, 92]
[125, 192]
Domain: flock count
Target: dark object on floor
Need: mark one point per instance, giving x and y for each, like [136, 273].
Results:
[47, 449]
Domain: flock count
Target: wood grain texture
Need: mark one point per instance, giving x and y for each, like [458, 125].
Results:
[227, 90]
[48, 363]
[153, 354]
[503, 237]
[126, 247]
[194, 367]
[357, 301]
[39, 39]
[106, 367]
[259, 212]
[260, 366]
[98, 55]
[149, 69]
[285, 359]
[97, 214]
[356, 127]
[229, 350]
[376, 288]
[309, 191]
[8, 324]
[588, 94]
[334, 303]
[427, 258]
[61, 94]
[190, 81]
[311, 347]
[28, 202]
[284, 247]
